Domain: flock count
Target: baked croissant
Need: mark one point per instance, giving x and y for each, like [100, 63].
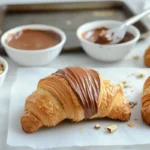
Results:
[146, 101]
[73, 93]
[147, 57]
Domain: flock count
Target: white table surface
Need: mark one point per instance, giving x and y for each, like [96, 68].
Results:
[65, 59]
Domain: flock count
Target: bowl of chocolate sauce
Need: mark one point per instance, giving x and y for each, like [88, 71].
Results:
[33, 45]
[96, 45]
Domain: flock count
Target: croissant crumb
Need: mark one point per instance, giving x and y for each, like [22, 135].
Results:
[131, 124]
[111, 128]
[141, 74]
[97, 126]
[136, 57]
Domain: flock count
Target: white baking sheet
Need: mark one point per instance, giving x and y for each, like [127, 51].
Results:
[69, 134]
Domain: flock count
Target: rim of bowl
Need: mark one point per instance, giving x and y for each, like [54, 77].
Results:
[5, 64]
[137, 34]
[34, 27]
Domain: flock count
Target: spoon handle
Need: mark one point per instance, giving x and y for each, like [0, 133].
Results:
[134, 19]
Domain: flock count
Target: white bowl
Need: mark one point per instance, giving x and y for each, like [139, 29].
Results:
[3, 75]
[106, 53]
[34, 57]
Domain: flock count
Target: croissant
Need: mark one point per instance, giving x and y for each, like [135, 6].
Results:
[147, 57]
[73, 93]
[146, 101]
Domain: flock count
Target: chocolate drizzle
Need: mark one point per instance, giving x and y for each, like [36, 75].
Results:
[86, 84]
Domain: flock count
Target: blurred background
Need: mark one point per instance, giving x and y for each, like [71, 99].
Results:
[68, 15]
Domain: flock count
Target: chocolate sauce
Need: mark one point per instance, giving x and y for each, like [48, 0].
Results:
[128, 37]
[98, 36]
[86, 84]
[29, 39]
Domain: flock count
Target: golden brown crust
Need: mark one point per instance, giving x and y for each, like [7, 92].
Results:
[54, 101]
[147, 57]
[30, 123]
[113, 103]
[65, 96]
[146, 101]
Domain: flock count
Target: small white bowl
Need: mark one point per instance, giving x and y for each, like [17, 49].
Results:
[3, 75]
[34, 57]
[107, 53]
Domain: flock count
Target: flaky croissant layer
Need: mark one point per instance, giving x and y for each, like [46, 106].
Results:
[146, 101]
[147, 57]
[73, 93]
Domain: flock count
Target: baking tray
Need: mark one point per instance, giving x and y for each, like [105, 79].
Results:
[67, 16]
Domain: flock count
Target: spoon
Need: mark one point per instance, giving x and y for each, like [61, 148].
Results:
[115, 35]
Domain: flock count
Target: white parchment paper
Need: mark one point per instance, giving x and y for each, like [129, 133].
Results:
[68, 134]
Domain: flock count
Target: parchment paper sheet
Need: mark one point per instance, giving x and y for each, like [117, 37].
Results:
[68, 134]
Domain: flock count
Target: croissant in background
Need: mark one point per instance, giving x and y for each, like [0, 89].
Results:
[73, 93]
[146, 101]
[147, 57]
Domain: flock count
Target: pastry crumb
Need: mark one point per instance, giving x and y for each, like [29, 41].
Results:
[81, 129]
[123, 82]
[111, 128]
[132, 104]
[97, 126]
[131, 124]
[135, 57]
[121, 85]
[141, 74]
[127, 86]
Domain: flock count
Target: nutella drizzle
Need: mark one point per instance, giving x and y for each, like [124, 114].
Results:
[86, 84]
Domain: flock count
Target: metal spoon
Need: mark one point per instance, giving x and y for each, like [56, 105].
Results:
[115, 35]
